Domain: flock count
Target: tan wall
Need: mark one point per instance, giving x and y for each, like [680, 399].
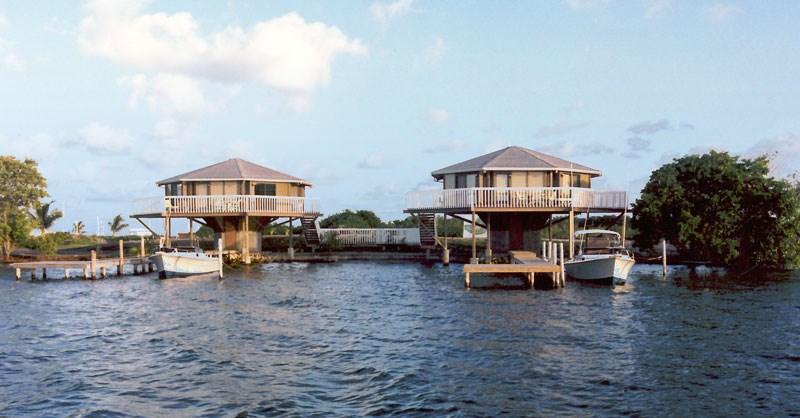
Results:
[519, 179]
[216, 188]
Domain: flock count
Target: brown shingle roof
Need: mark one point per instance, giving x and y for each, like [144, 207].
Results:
[515, 159]
[235, 169]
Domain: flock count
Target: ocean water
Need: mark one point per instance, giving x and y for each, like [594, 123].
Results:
[399, 339]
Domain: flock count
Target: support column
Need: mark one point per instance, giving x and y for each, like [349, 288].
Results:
[624, 224]
[474, 259]
[246, 244]
[445, 250]
[168, 233]
[141, 247]
[571, 234]
[291, 240]
[550, 228]
[489, 236]
[93, 264]
[191, 231]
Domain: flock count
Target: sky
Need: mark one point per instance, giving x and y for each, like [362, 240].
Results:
[365, 99]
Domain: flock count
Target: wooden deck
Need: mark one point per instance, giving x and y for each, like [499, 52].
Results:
[523, 262]
[515, 199]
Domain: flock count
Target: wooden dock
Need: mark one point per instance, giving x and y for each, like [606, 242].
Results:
[523, 262]
[90, 269]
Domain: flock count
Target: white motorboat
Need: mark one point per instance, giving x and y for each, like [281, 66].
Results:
[184, 262]
[600, 258]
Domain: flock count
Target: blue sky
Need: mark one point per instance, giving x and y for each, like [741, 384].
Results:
[365, 99]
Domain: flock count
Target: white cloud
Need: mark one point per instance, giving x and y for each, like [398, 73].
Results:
[448, 146]
[438, 115]
[568, 149]
[656, 8]
[372, 161]
[648, 127]
[639, 144]
[285, 53]
[105, 139]
[433, 53]
[722, 12]
[9, 58]
[584, 4]
[168, 94]
[783, 152]
[385, 12]
[39, 146]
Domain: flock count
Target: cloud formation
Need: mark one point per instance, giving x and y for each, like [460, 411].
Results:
[9, 57]
[639, 144]
[722, 12]
[285, 53]
[383, 13]
[105, 139]
[648, 127]
[438, 115]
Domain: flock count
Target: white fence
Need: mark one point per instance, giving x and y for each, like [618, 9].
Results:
[227, 204]
[516, 197]
[364, 237]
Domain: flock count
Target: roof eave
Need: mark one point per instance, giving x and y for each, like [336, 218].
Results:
[178, 180]
[440, 173]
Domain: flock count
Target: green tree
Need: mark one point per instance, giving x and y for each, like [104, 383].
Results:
[723, 209]
[350, 219]
[117, 224]
[78, 228]
[43, 217]
[21, 187]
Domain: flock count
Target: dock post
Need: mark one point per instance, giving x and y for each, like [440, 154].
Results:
[290, 251]
[446, 249]
[66, 273]
[18, 274]
[246, 246]
[664, 257]
[141, 247]
[571, 234]
[543, 255]
[561, 256]
[466, 280]
[489, 237]
[44, 273]
[474, 259]
[93, 264]
[219, 256]
[86, 271]
[33, 274]
[103, 271]
[121, 263]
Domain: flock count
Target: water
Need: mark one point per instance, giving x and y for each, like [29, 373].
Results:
[396, 339]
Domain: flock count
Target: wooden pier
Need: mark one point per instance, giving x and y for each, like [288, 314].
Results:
[90, 269]
[523, 262]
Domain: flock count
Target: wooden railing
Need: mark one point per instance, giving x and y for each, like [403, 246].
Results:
[515, 197]
[365, 237]
[239, 204]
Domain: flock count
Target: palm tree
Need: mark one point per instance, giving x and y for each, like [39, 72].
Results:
[78, 228]
[117, 225]
[43, 217]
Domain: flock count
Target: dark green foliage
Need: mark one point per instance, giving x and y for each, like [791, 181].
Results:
[44, 216]
[205, 232]
[350, 219]
[21, 187]
[453, 228]
[723, 209]
[117, 224]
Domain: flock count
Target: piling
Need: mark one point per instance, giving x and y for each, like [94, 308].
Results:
[563, 270]
[664, 257]
[93, 264]
[121, 262]
[141, 247]
[219, 256]
[445, 256]
[18, 274]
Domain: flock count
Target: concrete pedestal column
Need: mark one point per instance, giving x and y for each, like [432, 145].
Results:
[445, 256]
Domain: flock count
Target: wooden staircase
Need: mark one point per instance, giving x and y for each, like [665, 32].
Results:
[310, 231]
[427, 230]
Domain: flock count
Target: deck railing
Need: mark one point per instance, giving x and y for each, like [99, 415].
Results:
[227, 204]
[365, 237]
[515, 197]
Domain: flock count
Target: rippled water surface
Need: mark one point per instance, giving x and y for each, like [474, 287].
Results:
[396, 339]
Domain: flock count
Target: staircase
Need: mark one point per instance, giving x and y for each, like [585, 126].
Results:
[310, 231]
[427, 230]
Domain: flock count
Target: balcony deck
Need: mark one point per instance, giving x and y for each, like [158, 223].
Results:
[225, 205]
[511, 199]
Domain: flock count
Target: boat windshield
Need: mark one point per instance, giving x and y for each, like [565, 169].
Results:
[599, 242]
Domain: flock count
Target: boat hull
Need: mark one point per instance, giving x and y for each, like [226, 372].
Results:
[184, 264]
[603, 269]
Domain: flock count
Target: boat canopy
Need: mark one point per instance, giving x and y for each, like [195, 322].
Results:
[596, 231]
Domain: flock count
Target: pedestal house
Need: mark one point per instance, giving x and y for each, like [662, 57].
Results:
[237, 199]
[513, 193]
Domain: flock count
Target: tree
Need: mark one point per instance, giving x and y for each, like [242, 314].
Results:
[723, 209]
[117, 224]
[43, 217]
[350, 219]
[21, 187]
[78, 228]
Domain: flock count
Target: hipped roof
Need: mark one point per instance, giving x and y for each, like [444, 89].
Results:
[235, 169]
[515, 159]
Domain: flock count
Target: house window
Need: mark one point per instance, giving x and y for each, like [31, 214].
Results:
[264, 189]
[449, 181]
[461, 181]
[472, 180]
[501, 179]
[173, 189]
